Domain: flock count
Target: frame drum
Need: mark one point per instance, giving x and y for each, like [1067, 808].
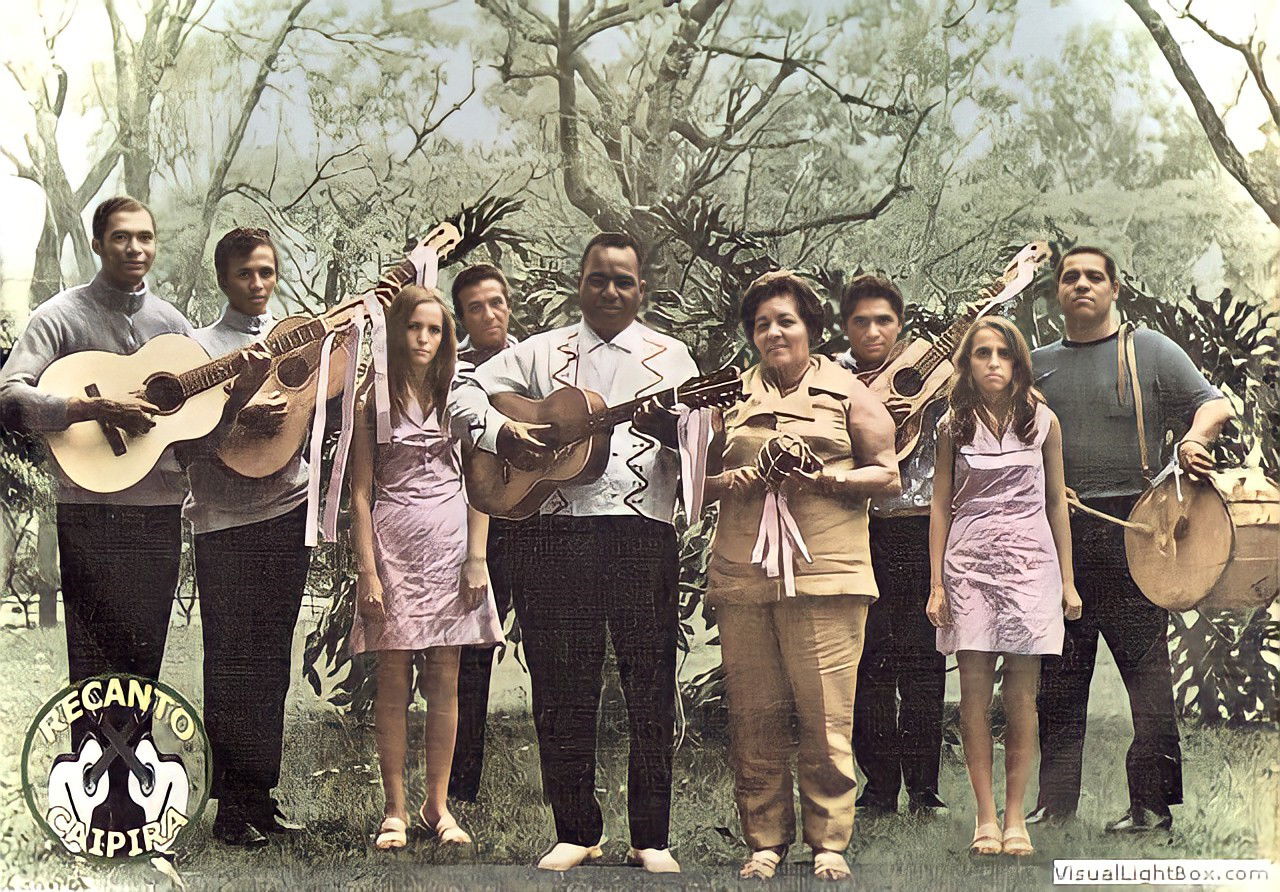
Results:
[1218, 546]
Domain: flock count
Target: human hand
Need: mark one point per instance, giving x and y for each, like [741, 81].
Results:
[1195, 458]
[473, 582]
[257, 366]
[369, 596]
[740, 480]
[939, 607]
[520, 443]
[131, 415]
[899, 407]
[657, 421]
[1072, 606]
[263, 420]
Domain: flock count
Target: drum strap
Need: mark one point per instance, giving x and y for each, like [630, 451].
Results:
[1127, 362]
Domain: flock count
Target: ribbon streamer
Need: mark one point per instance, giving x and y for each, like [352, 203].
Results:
[333, 493]
[693, 429]
[317, 442]
[777, 542]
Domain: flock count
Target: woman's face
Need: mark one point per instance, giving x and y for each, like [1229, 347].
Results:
[422, 335]
[780, 334]
[991, 362]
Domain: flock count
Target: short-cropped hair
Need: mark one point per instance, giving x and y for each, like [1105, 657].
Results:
[1107, 261]
[474, 275]
[776, 284]
[102, 213]
[865, 287]
[238, 243]
[612, 240]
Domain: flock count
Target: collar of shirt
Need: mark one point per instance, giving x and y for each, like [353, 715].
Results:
[127, 302]
[242, 322]
[476, 355]
[628, 340]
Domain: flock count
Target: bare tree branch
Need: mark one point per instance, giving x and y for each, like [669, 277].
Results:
[1252, 58]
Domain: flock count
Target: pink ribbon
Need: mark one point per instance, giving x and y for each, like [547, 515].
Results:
[317, 442]
[693, 429]
[333, 493]
[777, 542]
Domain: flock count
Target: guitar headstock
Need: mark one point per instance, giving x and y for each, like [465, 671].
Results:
[440, 240]
[720, 388]
[1022, 268]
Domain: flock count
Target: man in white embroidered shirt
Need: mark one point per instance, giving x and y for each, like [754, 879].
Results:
[613, 537]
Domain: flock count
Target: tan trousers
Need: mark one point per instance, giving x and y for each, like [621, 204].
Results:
[795, 657]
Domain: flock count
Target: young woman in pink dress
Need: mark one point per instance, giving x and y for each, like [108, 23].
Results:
[420, 554]
[1000, 560]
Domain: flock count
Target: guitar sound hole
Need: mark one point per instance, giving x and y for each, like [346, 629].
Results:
[164, 391]
[907, 382]
[293, 371]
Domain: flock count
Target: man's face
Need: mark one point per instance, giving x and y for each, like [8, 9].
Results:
[250, 279]
[127, 248]
[485, 313]
[1085, 291]
[872, 329]
[610, 291]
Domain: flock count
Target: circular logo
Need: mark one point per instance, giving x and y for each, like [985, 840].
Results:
[116, 766]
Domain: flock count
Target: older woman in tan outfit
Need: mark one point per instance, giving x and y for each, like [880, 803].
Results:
[790, 642]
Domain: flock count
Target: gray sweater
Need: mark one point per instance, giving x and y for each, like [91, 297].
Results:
[95, 316]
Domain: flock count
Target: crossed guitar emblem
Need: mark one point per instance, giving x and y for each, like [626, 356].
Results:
[79, 783]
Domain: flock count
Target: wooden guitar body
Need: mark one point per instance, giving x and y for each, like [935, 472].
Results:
[515, 486]
[293, 379]
[103, 462]
[901, 379]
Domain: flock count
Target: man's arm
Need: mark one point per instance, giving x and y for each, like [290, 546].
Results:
[1185, 390]
[511, 371]
[21, 405]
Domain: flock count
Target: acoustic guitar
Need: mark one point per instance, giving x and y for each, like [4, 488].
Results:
[294, 374]
[173, 373]
[515, 484]
[917, 371]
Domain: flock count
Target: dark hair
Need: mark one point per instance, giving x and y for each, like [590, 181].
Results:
[435, 387]
[238, 243]
[1107, 260]
[612, 240]
[776, 284]
[964, 397]
[474, 275]
[102, 213]
[864, 287]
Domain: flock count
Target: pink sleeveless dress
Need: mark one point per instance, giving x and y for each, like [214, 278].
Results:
[419, 543]
[1001, 568]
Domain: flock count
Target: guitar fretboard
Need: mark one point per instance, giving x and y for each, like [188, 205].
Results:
[943, 348]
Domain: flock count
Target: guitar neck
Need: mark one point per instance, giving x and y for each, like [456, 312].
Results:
[226, 367]
[943, 348]
[607, 419]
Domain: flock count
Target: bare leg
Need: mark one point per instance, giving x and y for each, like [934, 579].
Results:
[1021, 677]
[390, 725]
[977, 678]
[440, 685]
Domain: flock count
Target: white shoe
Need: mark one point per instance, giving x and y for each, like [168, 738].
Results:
[654, 860]
[564, 855]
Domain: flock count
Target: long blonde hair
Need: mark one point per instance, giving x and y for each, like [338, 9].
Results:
[434, 390]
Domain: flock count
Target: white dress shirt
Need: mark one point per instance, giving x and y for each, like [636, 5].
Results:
[642, 475]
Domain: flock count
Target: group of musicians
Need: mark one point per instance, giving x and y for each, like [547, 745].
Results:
[840, 643]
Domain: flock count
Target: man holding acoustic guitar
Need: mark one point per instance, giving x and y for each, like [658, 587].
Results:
[251, 561]
[896, 743]
[612, 537]
[118, 551]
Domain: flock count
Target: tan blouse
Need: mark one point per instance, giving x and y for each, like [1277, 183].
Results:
[834, 529]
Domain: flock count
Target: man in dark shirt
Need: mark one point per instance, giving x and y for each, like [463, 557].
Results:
[896, 743]
[480, 302]
[1079, 377]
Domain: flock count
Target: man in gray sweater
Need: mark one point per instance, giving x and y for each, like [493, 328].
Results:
[118, 552]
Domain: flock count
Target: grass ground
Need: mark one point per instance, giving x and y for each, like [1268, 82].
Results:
[331, 782]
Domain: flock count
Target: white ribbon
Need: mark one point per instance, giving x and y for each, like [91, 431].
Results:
[381, 395]
[317, 442]
[693, 429]
[333, 493]
[777, 542]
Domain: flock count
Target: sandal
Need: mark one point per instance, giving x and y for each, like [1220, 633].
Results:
[1017, 843]
[446, 829]
[830, 866]
[392, 834]
[986, 839]
[762, 864]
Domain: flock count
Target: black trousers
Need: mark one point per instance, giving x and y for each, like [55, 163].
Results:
[897, 713]
[575, 580]
[1137, 634]
[250, 580]
[119, 568]
[475, 669]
